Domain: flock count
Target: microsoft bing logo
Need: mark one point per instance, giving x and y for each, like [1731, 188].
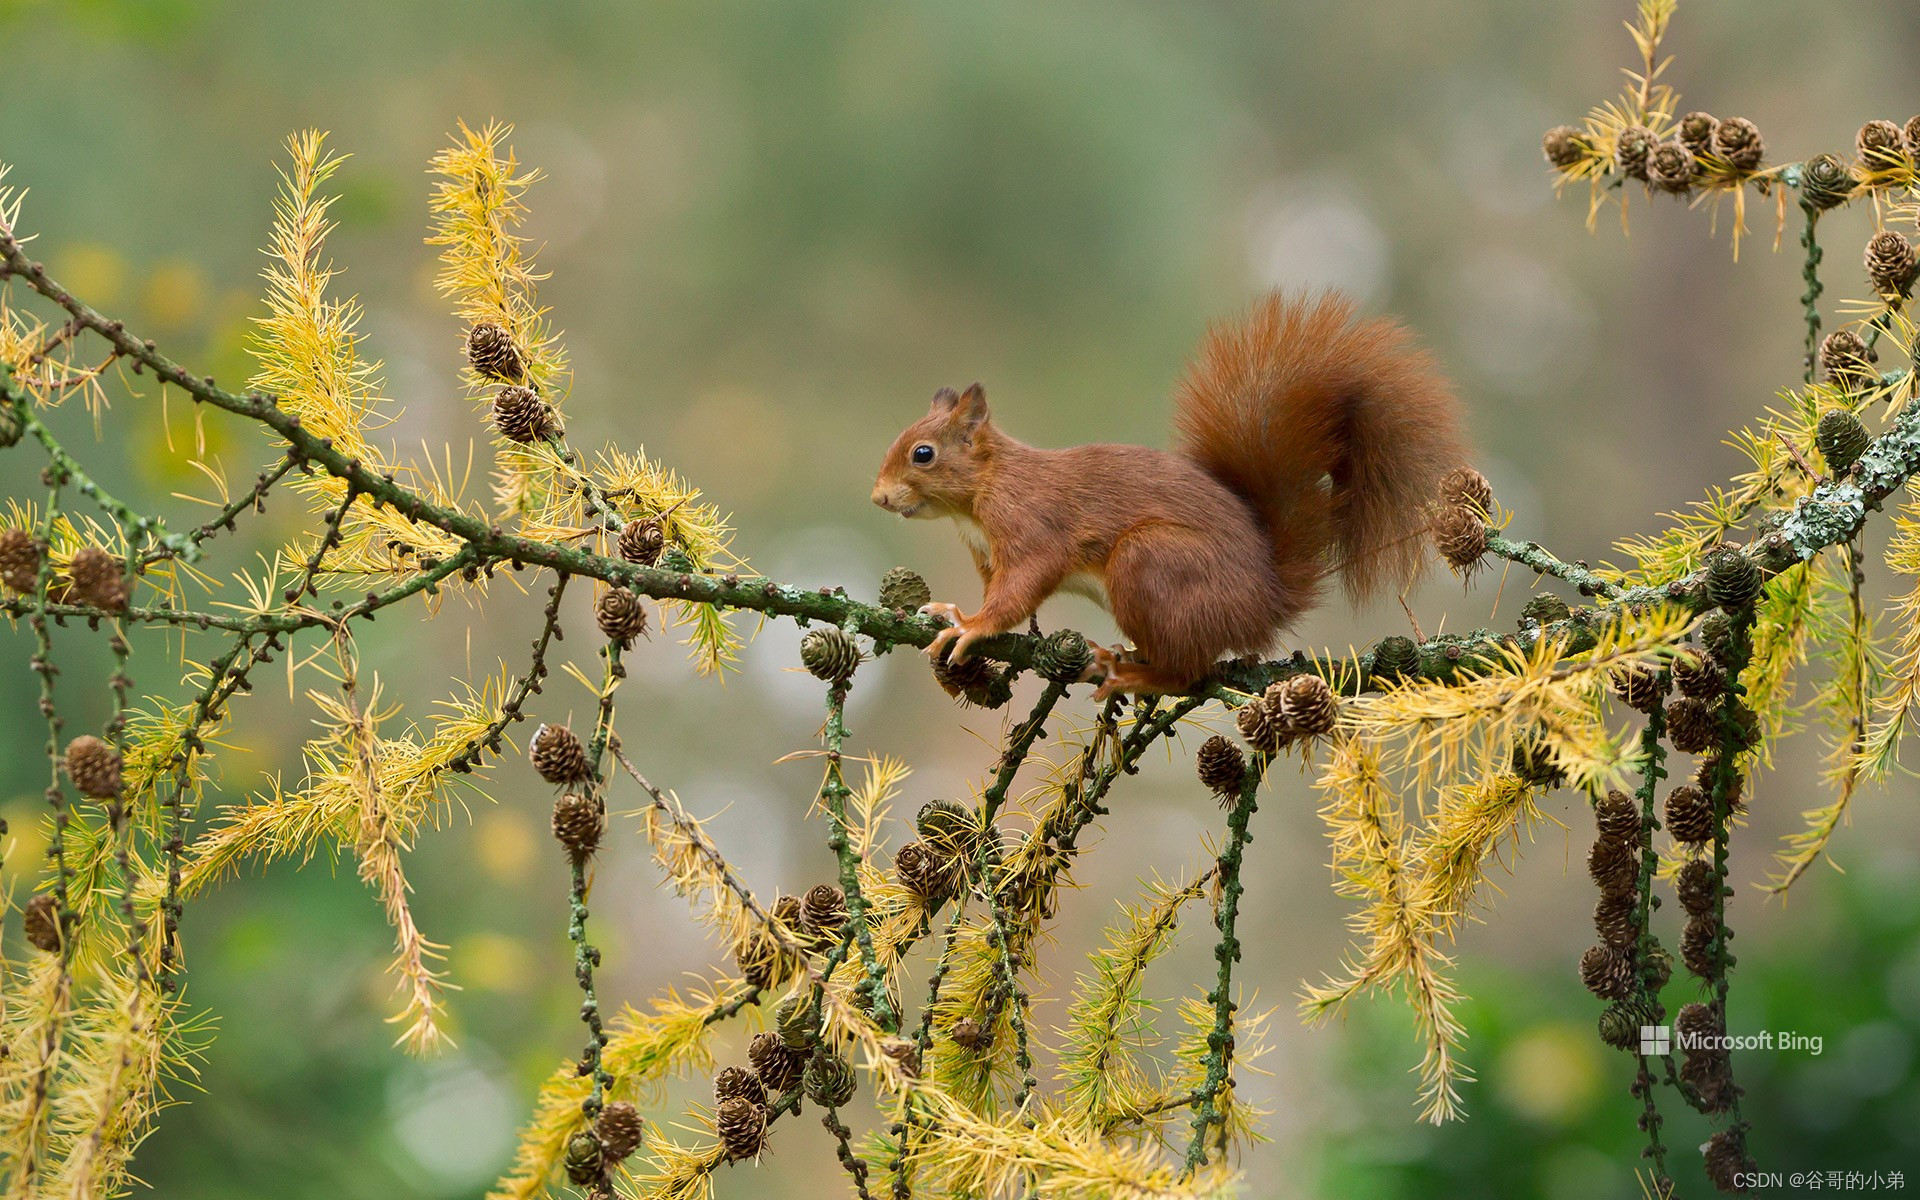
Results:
[1655, 1040]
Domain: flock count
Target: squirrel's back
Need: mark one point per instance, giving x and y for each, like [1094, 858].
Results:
[1335, 428]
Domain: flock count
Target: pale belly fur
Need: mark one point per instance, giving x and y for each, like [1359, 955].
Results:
[1083, 583]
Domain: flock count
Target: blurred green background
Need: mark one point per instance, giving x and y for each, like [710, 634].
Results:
[773, 230]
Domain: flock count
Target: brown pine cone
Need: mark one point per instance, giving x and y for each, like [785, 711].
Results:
[40, 925]
[19, 560]
[1825, 182]
[1696, 946]
[1697, 886]
[619, 1129]
[1614, 866]
[977, 680]
[742, 1126]
[1704, 779]
[1910, 134]
[1672, 168]
[1728, 1161]
[94, 767]
[98, 579]
[1689, 815]
[1631, 150]
[1460, 535]
[1617, 920]
[1310, 707]
[904, 1052]
[641, 541]
[786, 910]
[1694, 1022]
[1692, 725]
[1738, 143]
[951, 832]
[1698, 675]
[738, 1083]
[1695, 131]
[1890, 262]
[521, 416]
[558, 755]
[1880, 145]
[1848, 361]
[1221, 767]
[777, 1064]
[758, 957]
[621, 616]
[1618, 818]
[921, 871]
[1564, 146]
[1607, 972]
[1263, 724]
[904, 590]
[969, 1034]
[823, 912]
[1639, 687]
[491, 351]
[1464, 487]
[578, 822]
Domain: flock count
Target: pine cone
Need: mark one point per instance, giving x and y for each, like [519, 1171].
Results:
[621, 615]
[1460, 535]
[1890, 262]
[491, 351]
[1659, 966]
[1263, 722]
[904, 1052]
[1704, 779]
[1221, 767]
[920, 871]
[786, 910]
[40, 925]
[98, 579]
[1732, 579]
[1464, 487]
[1716, 634]
[1698, 675]
[1533, 763]
[1689, 815]
[1672, 167]
[1692, 726]
[795, 1020]
[1910, 135]
[1825, 182]
[950, 831]
[738, 1083]
[1696, 946]
[1310, 706]
[904, 590]
[1063, 657]
[1639, 687]
[1696, 1022]
[1564, 146]
[758, 957]
[1842, 439]
[1728, 1161]
[777, 1064]
[578, 822]
[742, 1126]
[1617, 920]
[969, 1034]
[523, 417]
[1396, 657]
[1847, 360]
[585, 1160]
[1614, 866]
[19, 560]
[676, 560]
[1695, 131]
[1634, 145]
[1621, 1021]
[641, 541]
[1880, 145]
[1607, 972]
[830, 653]
[1544, 609]
[94, 767]
[975, 680]
[1618, 818]
[558, 755]
[828, 1080]
[1697, 887]
[619, 1129]
[1738, 143]
[823, 912]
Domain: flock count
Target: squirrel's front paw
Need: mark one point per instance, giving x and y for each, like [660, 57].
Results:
[951, 635]
[950, 613]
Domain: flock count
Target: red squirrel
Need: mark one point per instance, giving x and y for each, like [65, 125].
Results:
[1311, 440]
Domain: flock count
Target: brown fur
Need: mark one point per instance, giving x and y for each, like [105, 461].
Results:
[1310, 441]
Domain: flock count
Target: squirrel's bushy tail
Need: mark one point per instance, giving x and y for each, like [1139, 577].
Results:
[1337, 430]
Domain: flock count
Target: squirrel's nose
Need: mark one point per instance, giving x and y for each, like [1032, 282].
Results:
[880, 498]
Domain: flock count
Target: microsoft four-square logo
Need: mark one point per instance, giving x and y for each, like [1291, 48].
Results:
[1655, 1040]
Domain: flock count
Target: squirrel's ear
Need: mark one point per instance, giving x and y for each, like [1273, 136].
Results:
[972, 409]
[944, 402]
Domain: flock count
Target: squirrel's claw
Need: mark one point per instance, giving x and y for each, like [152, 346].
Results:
[952, 635]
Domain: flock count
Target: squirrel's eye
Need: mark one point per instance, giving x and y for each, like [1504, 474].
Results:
[922, 454]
